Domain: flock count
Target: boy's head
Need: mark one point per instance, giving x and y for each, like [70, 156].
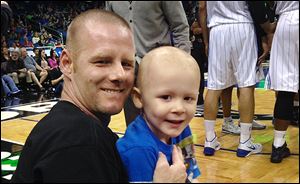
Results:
[167, 90]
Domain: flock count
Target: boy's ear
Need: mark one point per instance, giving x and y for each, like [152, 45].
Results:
[137, 97]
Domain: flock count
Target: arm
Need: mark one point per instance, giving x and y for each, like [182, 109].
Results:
[265, 48]
[38, 67]
[175, 16]
[55, 81]
[203, 24]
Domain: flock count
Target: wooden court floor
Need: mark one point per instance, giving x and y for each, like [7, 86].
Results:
[224, 166]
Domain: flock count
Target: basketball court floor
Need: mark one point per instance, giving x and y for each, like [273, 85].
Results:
[20, 115]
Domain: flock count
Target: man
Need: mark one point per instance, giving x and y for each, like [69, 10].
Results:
[73, 143]
[284, 73]
[154, 24]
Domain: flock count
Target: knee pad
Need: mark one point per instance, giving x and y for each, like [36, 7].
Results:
[284, 106]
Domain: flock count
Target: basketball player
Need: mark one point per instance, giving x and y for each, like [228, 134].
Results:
[232, 57]
[284, 73]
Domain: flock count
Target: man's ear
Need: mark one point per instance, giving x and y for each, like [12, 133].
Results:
[66, 63]
[137, 97]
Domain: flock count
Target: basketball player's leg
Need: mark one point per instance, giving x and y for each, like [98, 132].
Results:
[283, 114]
[245, 59]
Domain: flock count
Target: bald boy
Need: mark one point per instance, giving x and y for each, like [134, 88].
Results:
[167, 91]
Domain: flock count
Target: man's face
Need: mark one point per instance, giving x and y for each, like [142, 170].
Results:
[23, 52]
[14, 56]
[36, 52]
[103, 67]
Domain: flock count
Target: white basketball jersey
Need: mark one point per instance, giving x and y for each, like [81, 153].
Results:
[285, 6]
[227, 12]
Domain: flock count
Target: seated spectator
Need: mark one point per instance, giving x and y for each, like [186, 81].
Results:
[36, 55]
[15, 47]
[42, 41]
[27, 43]
[31, 65]
[55, 75]
[51, 41]
[16, 69]
[52, 60]
[5, 54]
[41, 60]
[35, 39]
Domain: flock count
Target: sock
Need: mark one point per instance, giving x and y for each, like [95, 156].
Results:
[279, 138]
[209, 129]
[228, 119]
[245, 132]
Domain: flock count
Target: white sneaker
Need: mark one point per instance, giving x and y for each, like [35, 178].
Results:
[211, 146]
[198, 114]
[258, 126]
[199, 110]
[247, 148]
[230, 128]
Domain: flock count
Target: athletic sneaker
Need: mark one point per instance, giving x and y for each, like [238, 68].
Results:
[230, 128]
[278, 154]
[258, 126]
[199, 111]
[247, 148]
[211, 146]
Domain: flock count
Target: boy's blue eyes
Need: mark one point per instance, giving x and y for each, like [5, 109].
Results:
[188, 98]
[168, 97]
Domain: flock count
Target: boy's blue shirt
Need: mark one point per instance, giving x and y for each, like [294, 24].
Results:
[139, 149]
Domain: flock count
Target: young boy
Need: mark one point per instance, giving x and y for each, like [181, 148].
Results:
[167, 91]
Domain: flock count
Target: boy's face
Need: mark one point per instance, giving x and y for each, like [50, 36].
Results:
[169, 99]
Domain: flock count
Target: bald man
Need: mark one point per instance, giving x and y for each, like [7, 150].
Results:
[168, 102]
[72, 143]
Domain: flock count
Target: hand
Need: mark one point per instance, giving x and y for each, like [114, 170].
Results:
[176, 173]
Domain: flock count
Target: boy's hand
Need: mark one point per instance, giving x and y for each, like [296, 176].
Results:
[176, 173]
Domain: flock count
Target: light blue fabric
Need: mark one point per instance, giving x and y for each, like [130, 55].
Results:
[9, 85]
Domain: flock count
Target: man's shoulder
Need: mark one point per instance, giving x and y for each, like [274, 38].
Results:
[65, 114]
